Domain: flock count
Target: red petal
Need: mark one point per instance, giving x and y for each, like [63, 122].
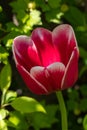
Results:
[41, 75]
[25, 52]
[65, 41]
[43, 41]
[50, 77]
[71, 72]
[56, 71]
[31, 82]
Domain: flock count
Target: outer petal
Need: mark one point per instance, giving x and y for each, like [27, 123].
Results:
[71, 72]
[25, 52]
[43, 41]
[31, 82]
[50, 77]
[65, 41]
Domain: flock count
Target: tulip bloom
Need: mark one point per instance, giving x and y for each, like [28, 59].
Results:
[47, 61]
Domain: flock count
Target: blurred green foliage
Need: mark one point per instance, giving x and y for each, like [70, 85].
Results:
[21, 17]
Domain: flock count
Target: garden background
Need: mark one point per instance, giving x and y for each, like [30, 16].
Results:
[19, 17]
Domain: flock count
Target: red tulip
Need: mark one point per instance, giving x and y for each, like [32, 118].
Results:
[47, 61]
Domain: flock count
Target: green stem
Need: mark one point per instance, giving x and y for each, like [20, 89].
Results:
[3, 98]
[62, 110]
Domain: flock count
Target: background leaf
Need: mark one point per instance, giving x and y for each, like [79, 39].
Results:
[3, 114]
[54, 3]
[3, 125]
[75, 16]
[16, 120]
[5, 77]
[85, 122]
[41, 120]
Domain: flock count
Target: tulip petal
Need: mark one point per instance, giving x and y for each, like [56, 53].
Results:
[25, 52]
[31, 82]
[50, 77]
[64, 39]
[41, 75]
[56, 71]
[71, 72]
[43, 41]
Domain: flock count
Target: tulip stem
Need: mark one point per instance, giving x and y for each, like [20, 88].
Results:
[62, 110]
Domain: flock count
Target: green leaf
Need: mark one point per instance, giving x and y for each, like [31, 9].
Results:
[23, 16]
[82, 70]
[27, 105]
[53, 16]
[1, 9]
[83, 53]
[43, 5]
[5, 77]
[45, 120]
[3, 125]
[83, 104]
[34, 19]
[16, 6]
[10, 96]
[73, 94]
[54, 3]
[85, 122]
[17, 120]
[3, 114]
[83, 90]
[75, 16]
[72, 105]
[3, 54]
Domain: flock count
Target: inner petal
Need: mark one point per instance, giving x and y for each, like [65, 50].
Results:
[41, 74]
[43, 41]
[56, 71]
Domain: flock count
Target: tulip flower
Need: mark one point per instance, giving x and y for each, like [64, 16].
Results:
[47, 61]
